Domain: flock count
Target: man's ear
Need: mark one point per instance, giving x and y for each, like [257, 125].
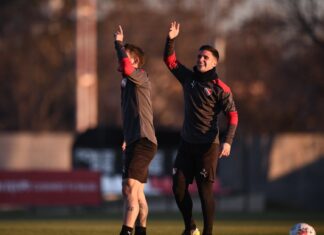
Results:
[136, 60]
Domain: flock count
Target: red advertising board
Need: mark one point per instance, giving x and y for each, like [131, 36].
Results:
[50, 188]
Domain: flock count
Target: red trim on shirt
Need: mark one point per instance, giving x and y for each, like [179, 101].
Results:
[127, 66]
[223, 86]
[171, 61]
[233, 118]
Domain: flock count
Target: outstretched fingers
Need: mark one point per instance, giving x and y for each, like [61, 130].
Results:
[175, 26]
[174, 29]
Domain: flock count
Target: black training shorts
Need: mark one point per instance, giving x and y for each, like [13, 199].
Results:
[137, 158]
[197, 161]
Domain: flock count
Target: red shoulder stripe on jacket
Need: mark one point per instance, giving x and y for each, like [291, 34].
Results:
[223, 86]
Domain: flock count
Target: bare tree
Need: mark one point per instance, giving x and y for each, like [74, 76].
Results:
[276, 75]
[307, 18]
[273, 64]
[36, 66]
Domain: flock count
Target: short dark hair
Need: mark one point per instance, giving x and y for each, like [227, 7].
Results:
[135, 51]
[211, 49]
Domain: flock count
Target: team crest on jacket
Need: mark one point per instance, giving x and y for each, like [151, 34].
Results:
[208, 91]
[123, 82]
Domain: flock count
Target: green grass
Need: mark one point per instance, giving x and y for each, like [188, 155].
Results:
[229, 224]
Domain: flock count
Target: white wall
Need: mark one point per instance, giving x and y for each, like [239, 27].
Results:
[35, 151]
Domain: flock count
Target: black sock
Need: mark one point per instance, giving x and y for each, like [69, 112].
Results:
[193, 225]
[139, 230]
[126, 230]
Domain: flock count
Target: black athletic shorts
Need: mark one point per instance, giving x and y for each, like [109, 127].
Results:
[137, 158]
[197, 161]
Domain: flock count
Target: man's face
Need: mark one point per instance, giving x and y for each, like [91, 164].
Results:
[205, 61]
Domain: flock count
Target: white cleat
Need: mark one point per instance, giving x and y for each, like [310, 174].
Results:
[192, 232]
[195, 232]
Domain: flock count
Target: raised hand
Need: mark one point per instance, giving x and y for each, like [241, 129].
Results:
[174, 30]
[119, 35]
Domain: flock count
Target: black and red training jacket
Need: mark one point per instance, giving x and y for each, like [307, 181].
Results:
[204, 100]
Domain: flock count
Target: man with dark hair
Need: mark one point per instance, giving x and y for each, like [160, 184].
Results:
[140, 143]
[205, 97]
[211, 49]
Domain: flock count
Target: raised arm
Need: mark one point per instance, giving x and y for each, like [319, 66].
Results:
[125, 65]
[169, 53]
[177, 69]
[119, 38]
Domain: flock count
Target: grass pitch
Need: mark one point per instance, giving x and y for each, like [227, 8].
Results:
[230, 224]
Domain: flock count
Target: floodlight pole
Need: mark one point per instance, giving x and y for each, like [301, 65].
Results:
[86, 66]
